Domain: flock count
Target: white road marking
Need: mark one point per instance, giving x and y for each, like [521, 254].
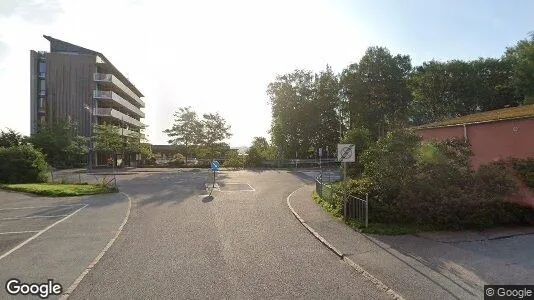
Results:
[230, 183]
[32, 217]
[40, 232]
[34, 207]
[17, 232]
[76, 282]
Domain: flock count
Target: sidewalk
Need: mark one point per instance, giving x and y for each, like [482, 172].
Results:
[402, 274]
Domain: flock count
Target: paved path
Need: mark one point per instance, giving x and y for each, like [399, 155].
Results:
[434, 266]
[54, 238]
[241, 243]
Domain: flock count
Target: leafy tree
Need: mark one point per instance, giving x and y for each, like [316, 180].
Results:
[376, 91]
[107, 138]
[11, 138]
[186, 130]
[326, 105]
[215, 130]
[136, 142]
[234, 160]
[259, 150]
[216, 150]
[361, 138]
[521, 56]
[60, 142]
[304, 111]
[145, 150]
[443, 90]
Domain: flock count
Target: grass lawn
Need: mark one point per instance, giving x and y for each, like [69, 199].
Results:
[57, 189]
[373, 228]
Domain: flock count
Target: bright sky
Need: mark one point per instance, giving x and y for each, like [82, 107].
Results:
[219, 56]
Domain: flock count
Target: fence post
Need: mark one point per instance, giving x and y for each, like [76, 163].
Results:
[52, 175]
[345, 206]
[366, 210]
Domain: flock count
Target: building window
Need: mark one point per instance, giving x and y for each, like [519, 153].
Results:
[41, 102]
[42, 67]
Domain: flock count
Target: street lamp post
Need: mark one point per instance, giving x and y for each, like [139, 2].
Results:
[90, 152]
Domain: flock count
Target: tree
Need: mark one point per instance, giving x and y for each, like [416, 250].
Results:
[443, 90]
[186, 130]
[259, 151]
[11, 138]
[135, 142]
[376, 91]
[60, 142]
[326, 105]
[215, 130]
[521, 56]
[304, 111]
[107, 138]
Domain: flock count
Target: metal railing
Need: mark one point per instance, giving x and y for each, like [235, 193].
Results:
[117, 82]
[354, 208]
[119, 100]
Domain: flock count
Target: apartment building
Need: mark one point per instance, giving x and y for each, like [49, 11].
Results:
[83, 85]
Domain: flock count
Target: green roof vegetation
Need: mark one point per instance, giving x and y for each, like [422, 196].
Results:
[518, 112]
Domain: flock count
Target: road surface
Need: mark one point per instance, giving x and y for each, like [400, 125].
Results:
[242, 243]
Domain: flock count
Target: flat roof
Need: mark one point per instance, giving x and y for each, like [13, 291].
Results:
[518, 112]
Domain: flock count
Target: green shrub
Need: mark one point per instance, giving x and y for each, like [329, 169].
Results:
[22, 164]
[361, 138]
[390, 163]
[175, 163]
[525, 170]
[234, 161]
[431, 184]
[495, 180]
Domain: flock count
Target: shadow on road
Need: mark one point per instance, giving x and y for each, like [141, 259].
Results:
[207, 199]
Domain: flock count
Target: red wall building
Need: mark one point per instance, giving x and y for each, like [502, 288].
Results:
[493, 135]
[490, 141]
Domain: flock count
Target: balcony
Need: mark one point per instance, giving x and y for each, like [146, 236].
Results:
[118, 116]
[109, 95]
[128, 132]
[109, 78]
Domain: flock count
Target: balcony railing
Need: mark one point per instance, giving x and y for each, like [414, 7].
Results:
[113, 113]
[112, 79]
[118, 99]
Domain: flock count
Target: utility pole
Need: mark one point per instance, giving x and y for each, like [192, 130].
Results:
[91, 146]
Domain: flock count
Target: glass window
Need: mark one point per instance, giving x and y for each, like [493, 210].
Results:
[42, 67]
[41, 103]
[42, 85]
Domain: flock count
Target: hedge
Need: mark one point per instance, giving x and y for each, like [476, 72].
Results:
[22, 164]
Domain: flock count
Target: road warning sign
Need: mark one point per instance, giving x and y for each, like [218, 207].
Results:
[346, 153]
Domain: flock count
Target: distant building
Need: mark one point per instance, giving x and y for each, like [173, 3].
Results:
[83, 85]
[493, 135]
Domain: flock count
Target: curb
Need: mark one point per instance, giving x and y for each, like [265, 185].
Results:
[95, 261]
[378, 284]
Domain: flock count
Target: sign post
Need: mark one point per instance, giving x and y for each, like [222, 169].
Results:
[214, 167]
[345, 154]
[320, 165]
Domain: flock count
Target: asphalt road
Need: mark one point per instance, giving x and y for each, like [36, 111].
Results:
[242, 243]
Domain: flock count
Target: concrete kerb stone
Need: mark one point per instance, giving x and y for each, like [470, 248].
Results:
[378, 284]
[95, 261]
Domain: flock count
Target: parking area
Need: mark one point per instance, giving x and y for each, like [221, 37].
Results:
[22, 222]
[45, 238]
